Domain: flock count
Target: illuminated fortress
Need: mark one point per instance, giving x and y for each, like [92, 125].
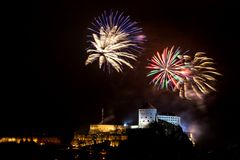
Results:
[114, 134]
[149, 115]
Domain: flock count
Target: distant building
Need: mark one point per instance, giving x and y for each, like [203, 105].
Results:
[106, 128]
[100, 133]
[171, 119]
[114, 134]
[37, 140]
[146, 116]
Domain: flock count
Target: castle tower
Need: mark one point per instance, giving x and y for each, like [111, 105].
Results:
[146, 115]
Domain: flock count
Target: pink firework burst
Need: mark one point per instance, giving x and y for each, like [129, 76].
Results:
[167, 68]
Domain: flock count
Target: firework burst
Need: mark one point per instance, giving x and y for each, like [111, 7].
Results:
[168, 68]
[192, 78]
[114, 40]
[200, 77]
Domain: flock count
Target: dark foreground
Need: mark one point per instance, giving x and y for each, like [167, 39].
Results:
[56, 152]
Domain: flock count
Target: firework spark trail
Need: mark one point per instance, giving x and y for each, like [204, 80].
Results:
[114, 40]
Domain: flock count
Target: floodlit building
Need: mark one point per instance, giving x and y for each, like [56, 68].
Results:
[36, 140]
[148, 114]
[114, 134]
[100, 133]
[171, 119]
[106, 128]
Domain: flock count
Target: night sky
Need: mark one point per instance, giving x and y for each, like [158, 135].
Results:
[46, 85]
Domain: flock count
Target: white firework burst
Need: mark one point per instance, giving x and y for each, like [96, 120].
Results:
[114, 42]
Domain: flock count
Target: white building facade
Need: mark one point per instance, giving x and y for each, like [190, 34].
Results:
[146, 116]
[171, 119]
